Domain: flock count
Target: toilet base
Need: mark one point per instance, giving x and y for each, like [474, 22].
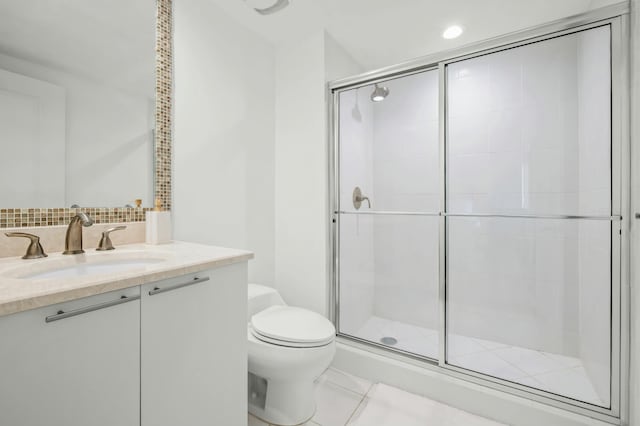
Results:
[287, 403]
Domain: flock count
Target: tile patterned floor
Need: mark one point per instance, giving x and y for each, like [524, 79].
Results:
[343, 399]
[555, 373]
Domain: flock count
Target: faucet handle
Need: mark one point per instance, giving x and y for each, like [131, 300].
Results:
[35, 250]
[105, 241]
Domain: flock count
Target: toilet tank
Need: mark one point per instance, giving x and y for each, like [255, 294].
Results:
[260, 298]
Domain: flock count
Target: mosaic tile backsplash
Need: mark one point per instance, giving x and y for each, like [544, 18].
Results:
[16, 218]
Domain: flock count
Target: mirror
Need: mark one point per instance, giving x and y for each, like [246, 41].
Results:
[77, 103]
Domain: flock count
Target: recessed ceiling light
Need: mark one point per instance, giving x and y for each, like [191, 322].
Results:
[452, 32]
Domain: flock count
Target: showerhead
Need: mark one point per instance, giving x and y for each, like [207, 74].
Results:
[379, 93]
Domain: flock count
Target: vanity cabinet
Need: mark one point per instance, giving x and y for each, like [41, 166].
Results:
[168, 353]
[194, 356]
[72, 364]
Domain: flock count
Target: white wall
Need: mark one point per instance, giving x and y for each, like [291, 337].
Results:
[301, 157]
[338, 63]
[109, 139]
[301, 218]
[224, 135]
[260, 152]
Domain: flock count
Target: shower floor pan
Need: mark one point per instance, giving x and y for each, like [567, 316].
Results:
[559, 374]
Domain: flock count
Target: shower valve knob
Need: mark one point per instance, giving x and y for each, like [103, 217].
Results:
[358, 198]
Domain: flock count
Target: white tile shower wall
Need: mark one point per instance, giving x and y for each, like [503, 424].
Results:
[224, 134]
[512, 131]
[518, 151]
[405, 144]
[357, 271]
[356, 148]
[406, 178]
[593, 192]
[510, 282]
[491, 268]
[406, 269]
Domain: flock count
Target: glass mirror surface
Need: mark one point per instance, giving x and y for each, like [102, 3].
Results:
[77, 99]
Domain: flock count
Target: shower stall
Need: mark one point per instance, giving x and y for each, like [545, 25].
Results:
[479, 213]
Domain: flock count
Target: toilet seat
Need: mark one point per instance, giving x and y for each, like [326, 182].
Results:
[292, 327]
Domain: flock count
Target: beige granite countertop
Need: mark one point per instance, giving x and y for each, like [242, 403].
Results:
[20, 293]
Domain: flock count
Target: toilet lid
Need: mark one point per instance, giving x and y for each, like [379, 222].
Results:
[289, 326]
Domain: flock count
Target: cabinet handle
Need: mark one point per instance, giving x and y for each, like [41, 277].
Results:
[196, 280]
[62, 314]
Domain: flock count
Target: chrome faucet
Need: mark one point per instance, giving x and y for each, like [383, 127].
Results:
[73, 241]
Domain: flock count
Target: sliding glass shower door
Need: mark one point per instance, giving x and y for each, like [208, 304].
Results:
[477, 216]
[528, 215]
[388, 213]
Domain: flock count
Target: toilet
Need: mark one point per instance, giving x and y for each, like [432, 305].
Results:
[289, 348]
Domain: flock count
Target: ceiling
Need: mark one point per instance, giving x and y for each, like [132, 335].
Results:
[113, 41]
[379, 33]
[107, 41]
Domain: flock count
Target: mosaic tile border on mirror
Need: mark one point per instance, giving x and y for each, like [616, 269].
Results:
[164, 91]
[37, 217]
[22, 218]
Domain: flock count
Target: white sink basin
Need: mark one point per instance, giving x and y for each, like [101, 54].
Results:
[87, 265]
[93, 268]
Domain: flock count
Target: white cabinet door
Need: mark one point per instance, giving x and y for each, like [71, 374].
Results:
[194, 349]
[80, 368]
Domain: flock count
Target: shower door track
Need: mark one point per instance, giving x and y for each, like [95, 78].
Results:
[615, 16]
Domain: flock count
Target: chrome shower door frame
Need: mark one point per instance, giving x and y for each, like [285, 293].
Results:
[616, 17]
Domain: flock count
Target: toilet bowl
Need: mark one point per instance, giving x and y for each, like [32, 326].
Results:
[288, 348]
